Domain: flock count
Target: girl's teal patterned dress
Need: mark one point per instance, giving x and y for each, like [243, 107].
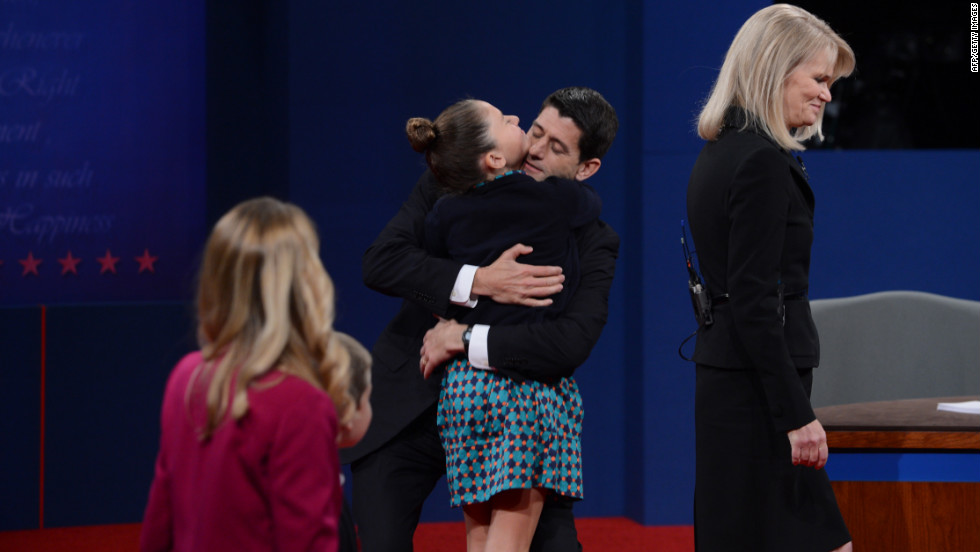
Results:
[501, 434]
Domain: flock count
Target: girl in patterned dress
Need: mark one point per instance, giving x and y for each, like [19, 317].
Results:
[510, 443]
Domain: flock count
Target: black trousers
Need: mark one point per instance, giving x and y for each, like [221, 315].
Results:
[391, 484]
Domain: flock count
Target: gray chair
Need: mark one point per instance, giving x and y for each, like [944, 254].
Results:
[896, 345]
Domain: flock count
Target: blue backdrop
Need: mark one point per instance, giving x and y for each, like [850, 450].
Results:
[101, 150]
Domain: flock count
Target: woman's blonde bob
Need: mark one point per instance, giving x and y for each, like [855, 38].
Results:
[265, 303]
[769, 46]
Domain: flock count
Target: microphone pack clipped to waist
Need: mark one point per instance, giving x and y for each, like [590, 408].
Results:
[704, 303]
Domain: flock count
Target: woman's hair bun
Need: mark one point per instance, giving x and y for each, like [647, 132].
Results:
[421, 133]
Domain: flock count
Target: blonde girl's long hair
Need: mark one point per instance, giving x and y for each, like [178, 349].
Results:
[264, 303]
[769, 46]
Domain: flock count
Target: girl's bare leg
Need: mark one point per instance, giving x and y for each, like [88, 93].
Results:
[846, 548]
[513, 519]
[477, 518]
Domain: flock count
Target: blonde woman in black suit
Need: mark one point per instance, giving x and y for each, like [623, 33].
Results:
[760, 449]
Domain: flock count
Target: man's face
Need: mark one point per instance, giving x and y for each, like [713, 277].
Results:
[553, 146]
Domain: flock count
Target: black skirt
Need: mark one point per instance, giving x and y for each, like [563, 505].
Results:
[748, 494]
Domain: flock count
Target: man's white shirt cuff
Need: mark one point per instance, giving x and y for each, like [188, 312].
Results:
[479, 356]
[463, 289]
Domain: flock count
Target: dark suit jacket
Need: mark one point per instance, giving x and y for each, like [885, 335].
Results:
[396, 264]
[751, 214]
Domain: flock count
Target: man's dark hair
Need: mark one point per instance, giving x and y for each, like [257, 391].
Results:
[591, 113]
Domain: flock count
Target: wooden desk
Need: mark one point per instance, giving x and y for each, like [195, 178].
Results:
[932, 510]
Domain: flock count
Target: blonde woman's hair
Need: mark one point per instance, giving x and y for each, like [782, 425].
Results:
[265, 303]
[769, 46]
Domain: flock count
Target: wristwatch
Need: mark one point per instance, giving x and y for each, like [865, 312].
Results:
[467, 334]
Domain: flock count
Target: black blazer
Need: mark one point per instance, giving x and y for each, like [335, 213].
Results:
[397, 264]
[750, 209]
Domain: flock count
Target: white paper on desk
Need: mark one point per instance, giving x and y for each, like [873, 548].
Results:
[966, 407]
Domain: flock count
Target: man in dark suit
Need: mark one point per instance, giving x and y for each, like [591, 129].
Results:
[399, 461]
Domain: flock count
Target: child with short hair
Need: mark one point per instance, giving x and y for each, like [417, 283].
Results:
[352, 431]
[359, 392]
